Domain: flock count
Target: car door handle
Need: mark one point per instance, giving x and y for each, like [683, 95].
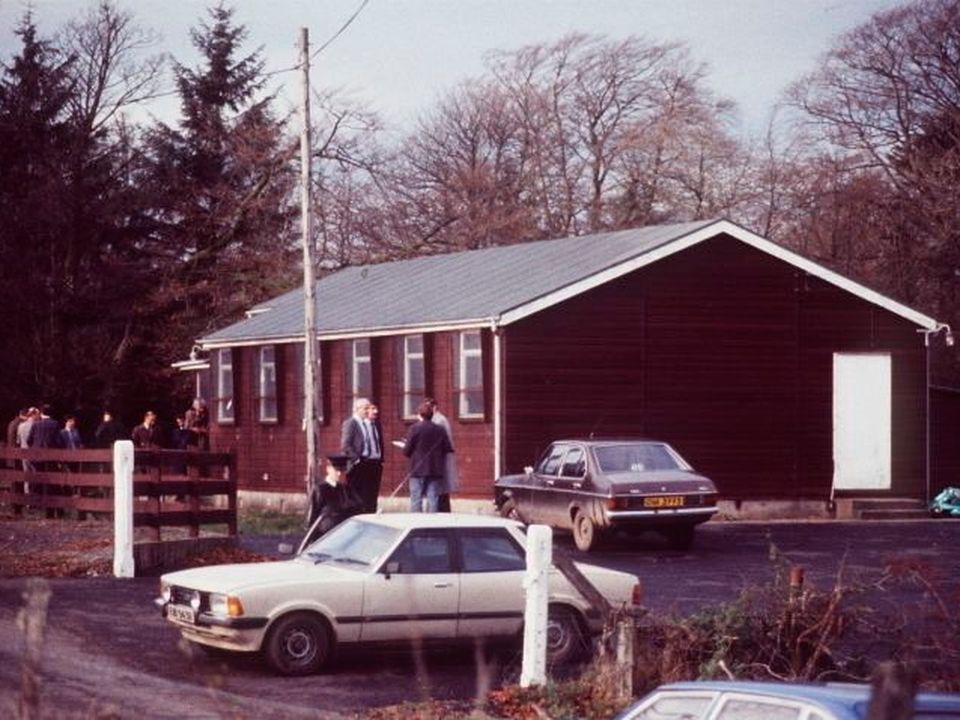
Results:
[551, 482]
[442, 584]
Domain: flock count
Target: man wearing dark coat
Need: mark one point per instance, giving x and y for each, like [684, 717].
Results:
[427, 446]
[109, 431]
[45, 433]
[146, 435]
[361, 440]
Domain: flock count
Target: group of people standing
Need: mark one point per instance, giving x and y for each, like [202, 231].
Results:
[428, 446]
[34, 427]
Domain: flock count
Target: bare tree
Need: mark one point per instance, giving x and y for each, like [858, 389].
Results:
[885, 106]
[110, 71]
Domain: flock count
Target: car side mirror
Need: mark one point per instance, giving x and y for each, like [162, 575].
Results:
[391, 568]
[528, 470]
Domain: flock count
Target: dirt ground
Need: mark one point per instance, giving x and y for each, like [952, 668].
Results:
[35, 546]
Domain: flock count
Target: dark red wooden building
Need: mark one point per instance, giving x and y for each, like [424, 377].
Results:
[775, 376]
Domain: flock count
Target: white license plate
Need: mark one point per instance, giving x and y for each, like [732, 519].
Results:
[181, 613]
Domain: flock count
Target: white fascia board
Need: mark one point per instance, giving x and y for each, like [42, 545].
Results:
[249, 342]
[698, 236]
[354, 333]
[190, 365]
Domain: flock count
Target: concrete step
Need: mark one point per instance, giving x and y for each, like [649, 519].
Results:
[880, 508]
[868, 504]
[893, 514]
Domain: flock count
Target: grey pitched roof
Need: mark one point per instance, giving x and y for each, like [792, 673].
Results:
[500, 283]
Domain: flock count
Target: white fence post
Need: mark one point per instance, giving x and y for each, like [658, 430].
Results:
[123, 509]
[537, 585]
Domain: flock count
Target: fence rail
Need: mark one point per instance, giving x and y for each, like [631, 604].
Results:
[172, 488]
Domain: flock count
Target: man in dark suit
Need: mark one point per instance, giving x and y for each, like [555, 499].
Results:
[361, 440]
[427, 446]
[45, 433]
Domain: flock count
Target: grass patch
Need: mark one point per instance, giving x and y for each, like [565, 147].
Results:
[258, 521]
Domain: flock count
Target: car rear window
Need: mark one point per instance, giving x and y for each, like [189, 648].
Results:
[639, 457]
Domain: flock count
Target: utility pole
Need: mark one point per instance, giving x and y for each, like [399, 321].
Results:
[309, 290]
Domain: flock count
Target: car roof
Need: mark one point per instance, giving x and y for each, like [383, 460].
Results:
[407, 520]
[842, 698]
[597, 442]
[846, 695]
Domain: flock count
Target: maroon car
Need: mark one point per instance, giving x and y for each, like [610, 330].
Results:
[594, 486]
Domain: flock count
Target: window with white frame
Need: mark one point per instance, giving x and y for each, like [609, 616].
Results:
[470, 375]
[267, 384]
[225, 407]
[361, 370]
[414, 375]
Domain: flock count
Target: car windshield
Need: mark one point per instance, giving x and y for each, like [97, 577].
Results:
[354, 542]
[638, 457]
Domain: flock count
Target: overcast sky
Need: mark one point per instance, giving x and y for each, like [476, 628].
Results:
[399, 55]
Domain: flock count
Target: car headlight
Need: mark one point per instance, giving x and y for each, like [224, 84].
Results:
[226, 605]
[165, 591]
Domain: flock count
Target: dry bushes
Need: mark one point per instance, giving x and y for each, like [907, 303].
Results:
[789, 630]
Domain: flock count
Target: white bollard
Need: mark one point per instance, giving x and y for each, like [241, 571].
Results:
[123, 509]
[536, 582]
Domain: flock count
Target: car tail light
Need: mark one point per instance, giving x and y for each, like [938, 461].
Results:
[636, 596]
[618, 503]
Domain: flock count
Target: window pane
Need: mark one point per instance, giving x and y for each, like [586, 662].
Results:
[473, 372]
[362, 373]
[574, 464]
[470, 375]
[675, 708]
[755, 710]
[424, 554]
[490, 552]
[414, 375]
[551, 461]
[225, 385]
[268, 384]
[414, 344]
[472, 402]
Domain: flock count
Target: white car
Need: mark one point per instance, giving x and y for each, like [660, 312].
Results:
[383, 578]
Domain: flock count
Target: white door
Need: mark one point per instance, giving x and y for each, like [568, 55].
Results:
[861, 421]
[420, 599]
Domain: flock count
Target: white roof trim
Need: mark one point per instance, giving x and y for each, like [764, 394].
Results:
[698, 236]
[190, 365]
[250, 342]
[353, 333]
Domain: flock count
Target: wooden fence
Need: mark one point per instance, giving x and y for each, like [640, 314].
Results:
[172, 488]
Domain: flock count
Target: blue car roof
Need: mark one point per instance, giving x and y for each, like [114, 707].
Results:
[850, 699]
[842, 698]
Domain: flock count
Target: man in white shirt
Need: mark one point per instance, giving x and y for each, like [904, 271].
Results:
[361, 440]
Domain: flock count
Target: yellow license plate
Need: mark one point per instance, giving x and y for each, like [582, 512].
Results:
[663, 501]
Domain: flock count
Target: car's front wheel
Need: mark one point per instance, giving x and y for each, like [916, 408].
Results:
[509, 510]
[298, 644]
[565, 642]
[585, 532]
